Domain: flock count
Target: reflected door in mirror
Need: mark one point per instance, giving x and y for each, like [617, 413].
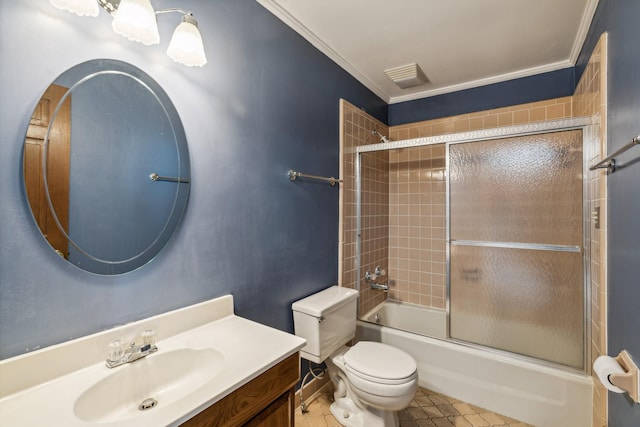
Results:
[57, 166]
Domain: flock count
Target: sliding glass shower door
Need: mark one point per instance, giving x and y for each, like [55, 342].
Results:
[516, 280]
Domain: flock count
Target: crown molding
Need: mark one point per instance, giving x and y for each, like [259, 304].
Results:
[275, 8]
[583, 30]
[482, 82]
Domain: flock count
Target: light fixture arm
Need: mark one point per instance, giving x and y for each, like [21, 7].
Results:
[111, 6]
[174, 9]
[187, 16]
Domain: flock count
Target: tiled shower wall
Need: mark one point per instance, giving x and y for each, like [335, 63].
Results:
[405, 249]
[355, 130]
[590, 99]
[552, 109]
[375, 223]
[417, 225]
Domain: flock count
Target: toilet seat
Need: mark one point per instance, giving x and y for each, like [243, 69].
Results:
[380, 369]
[380, 363]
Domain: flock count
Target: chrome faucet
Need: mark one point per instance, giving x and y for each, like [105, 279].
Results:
[372, 279]
[381, 286]
[117, 355]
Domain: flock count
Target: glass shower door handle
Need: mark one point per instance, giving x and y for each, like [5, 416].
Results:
[470, 274]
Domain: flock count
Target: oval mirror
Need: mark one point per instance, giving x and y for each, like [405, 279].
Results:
[106, 167]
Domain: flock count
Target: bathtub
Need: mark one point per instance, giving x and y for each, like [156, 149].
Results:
[418, 319]
[534, 393]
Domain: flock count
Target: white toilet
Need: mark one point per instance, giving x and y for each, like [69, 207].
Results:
[372, 380]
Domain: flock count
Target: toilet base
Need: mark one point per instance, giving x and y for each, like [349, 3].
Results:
[350, 415]
[347, 408]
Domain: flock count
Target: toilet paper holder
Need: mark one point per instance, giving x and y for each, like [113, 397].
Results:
[629, 381]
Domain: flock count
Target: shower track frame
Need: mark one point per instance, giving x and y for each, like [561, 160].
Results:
[578, 123]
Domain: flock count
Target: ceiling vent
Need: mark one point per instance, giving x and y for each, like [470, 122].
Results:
[407, 76]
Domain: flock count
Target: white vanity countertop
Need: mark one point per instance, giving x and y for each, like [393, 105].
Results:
[248, 349]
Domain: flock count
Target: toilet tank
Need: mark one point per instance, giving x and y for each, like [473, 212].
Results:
[327, 320]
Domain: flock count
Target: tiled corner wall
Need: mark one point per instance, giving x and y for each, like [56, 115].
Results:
[356, 127]
[417, 225]
[590, 99]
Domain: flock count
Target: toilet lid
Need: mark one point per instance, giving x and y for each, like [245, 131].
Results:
[380, 361]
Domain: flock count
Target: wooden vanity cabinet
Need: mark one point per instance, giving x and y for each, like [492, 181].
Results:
[265, 401]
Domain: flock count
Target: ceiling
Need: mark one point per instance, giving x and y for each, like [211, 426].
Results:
[459, 44]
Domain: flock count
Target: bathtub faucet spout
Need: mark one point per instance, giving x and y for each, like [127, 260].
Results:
[381, 286]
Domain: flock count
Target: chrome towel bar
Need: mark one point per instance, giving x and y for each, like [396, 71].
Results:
[293, 175]
[609, 162]
[155, 177]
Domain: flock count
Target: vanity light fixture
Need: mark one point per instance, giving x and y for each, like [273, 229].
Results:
[186, 45]
[136, 20]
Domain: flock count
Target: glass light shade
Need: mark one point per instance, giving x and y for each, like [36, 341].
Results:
[79, 7]
[186, 45]
[136, 20]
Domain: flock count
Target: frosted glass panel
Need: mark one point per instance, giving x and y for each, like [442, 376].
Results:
[512, 200]
[524, 301]
[524, 189]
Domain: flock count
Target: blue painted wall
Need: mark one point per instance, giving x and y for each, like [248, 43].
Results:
[620, 18]
[267, 102]
[554, 84]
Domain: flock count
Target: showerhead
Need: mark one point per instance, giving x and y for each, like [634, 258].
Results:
[383, 138]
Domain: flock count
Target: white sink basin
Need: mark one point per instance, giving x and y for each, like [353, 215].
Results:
[158, 380]
[206, 352]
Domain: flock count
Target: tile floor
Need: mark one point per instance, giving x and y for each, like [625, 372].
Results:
[428, 409]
